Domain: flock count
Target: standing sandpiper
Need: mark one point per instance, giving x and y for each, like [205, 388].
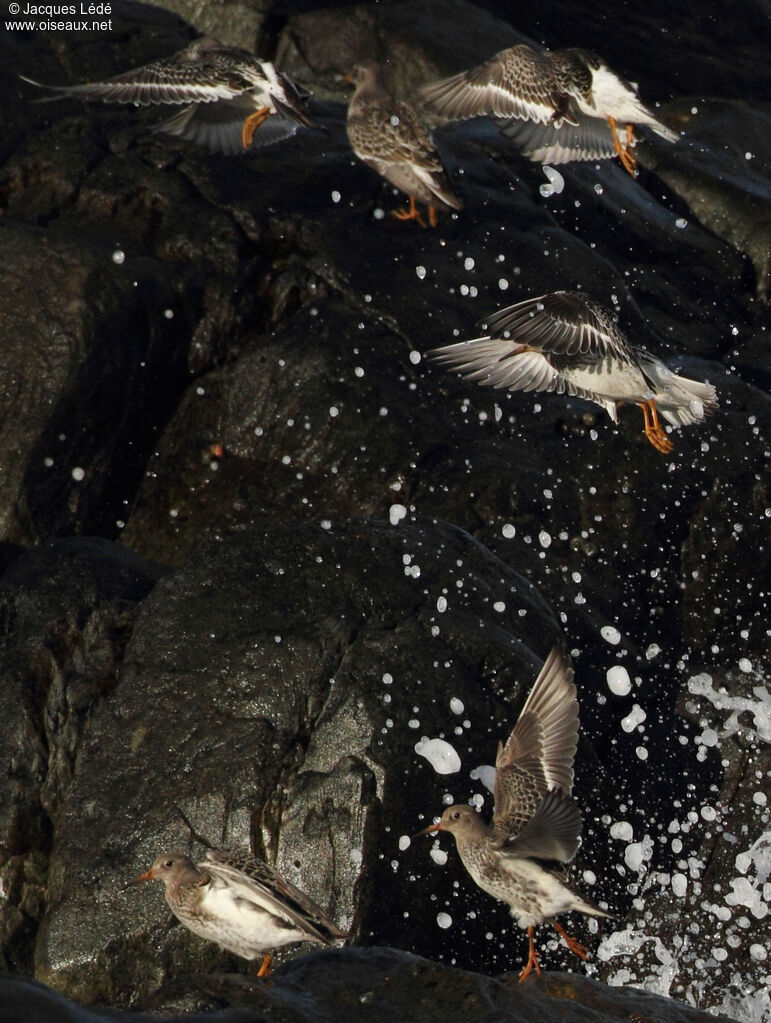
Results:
[241, 903]
[389, 137]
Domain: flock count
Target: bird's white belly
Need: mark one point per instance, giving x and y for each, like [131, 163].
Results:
[542, 895]
[610, 97]
[243, 927]
[613, 381]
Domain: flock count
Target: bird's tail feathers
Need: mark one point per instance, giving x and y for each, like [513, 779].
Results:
[692, 401]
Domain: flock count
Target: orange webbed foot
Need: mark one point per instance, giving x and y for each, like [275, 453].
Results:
[251, 124]
[624, 153]
[411, 213]
[654, 431]
[575, 946]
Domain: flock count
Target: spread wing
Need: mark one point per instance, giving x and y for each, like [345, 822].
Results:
[203, 72]
[563, 323]
[218, 126]
[257, 883]
[538, 756]
[530, 344]
[493, 362]
[589, 138]
[552, 833]
[518, 82]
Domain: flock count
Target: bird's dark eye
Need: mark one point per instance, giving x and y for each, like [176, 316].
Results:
[456, 815]
[169, 863]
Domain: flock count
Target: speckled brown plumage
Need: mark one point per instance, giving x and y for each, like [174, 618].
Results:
[569, 101]
[536, 825]
[567, 343]
[239, 902]
[388, 136]
[223, 88]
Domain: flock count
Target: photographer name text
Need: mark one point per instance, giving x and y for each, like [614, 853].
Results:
[60, 10]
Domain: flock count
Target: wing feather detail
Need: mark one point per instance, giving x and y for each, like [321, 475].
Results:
[538, 755]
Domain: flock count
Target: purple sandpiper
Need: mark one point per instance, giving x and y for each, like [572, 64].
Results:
[240, 903]
[231, 98]
[558, 105]
[536, 825]
[389, 137]
[567, 343]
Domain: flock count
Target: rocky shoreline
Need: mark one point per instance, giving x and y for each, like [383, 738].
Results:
[253, 544]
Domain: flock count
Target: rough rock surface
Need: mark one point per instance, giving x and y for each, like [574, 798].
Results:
[211, 366]
[285, 717]
[379, 983]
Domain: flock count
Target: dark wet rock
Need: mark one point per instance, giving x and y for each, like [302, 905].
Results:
[67, 610]
[721, 172]
[416, 41]
[86, 363]
[264, 700]
[379, 983]
[251, 370]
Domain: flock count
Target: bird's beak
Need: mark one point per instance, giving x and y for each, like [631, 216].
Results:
[431, 828]
[349, 79]
[149, 875]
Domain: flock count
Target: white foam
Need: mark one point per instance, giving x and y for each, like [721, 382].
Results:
[486, 774]
[618, 680]
[610, 634]
[440, 754]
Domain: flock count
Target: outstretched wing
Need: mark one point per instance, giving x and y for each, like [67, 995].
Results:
[590, 138]
[203, 72]
[218, 126]
[518, 82]
[530, 345]
[562, 323]
[552, 833]
[538, 756]
[493, 362]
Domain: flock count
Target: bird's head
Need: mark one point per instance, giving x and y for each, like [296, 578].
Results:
[172, 868]
[461, 820]
[363, 73]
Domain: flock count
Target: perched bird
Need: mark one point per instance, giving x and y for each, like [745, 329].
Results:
[567, 343]
[536, 825]
[569, 100]
[389, 137]
[240, 903]
[231, 98]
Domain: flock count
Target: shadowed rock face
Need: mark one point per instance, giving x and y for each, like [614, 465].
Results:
[339, 985]
[212, 366]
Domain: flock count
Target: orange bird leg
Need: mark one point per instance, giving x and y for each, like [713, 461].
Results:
[433, 216]
[575, 946]
[264, 970]
[410, 214]
[654, 431]
[532, 958]
[251, 124]
[628, 161]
